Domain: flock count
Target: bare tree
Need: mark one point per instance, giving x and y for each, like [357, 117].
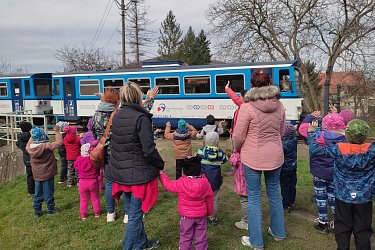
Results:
[137, 33]
[4, 65]
[84, 58]
[316, 30]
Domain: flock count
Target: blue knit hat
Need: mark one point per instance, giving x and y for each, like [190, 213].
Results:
[181, 125]
[38, 135]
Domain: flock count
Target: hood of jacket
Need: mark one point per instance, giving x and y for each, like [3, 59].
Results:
[331, 138]
[264, 99]
[106, 107]
[37, 150]
[211, 153]
[194, 187]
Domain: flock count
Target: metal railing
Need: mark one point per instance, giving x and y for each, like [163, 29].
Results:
[10, 129]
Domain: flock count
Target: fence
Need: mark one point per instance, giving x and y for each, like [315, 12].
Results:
[11, 163]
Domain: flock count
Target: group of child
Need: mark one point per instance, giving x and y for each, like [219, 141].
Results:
[41, 166]
[340, 161]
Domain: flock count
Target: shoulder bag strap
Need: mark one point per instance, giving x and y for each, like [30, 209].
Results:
[104, 137]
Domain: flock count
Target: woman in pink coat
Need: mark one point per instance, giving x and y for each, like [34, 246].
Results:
[257, 135]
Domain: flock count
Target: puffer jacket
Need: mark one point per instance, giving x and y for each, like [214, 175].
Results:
[42, 158]
[72, 144]
[134, 157]
[354, 169]
[259, 129]
[290, 153]
[21, 143]
[99, 124]
[195, 197]
[212, 158]
[181, 141]
[321, 167]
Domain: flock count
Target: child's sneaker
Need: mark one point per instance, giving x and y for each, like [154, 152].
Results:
[331, 227]
[69, 185]
[274, 237]
[97, 215]
[246, 242]
[241, 225]
[126, 218]
[212, 221]
[321, 227]
[61, 182]
[83, 218]
[111, 217]
[152, 244]
[54, 211]
[38, 214]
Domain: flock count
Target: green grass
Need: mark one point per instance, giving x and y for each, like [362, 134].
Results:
[19, 230]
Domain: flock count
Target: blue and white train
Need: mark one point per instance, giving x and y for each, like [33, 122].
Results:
[188, 92]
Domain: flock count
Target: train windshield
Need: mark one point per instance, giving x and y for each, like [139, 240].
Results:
[42, 87]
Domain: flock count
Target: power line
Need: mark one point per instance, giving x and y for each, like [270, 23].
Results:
[102, 22]
[112, 34]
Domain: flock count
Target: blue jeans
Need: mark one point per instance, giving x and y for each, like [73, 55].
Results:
[272, 179]
[44, 190]
[135, 235]
[110, 201]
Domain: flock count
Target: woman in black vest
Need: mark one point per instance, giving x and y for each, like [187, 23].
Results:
[134, 164]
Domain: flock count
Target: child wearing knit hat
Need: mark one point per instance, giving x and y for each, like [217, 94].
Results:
[354, 183]
[181, 139]
[88, 182]
[288, 175]
[212, 158]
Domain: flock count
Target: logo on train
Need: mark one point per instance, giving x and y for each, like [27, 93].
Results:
[203, 107]
[4, 106]
[161, 107]
[88, 106]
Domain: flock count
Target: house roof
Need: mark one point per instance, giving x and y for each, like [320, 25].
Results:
[346, 78]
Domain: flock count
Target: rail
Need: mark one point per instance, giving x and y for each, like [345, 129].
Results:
[9, 127]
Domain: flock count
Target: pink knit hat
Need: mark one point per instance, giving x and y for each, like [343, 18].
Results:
[347, 115]
[333, 121]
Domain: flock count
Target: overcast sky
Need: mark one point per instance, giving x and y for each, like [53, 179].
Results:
[30, 31]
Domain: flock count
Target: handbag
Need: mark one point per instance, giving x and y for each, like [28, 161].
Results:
[97, 154]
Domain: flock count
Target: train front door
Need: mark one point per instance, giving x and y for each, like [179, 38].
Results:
[17, 103]
[70, 107]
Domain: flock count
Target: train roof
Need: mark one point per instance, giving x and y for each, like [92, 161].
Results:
[155, 68]
[27, 75]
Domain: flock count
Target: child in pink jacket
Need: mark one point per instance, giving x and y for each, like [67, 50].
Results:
[88, 182]
[195, 203]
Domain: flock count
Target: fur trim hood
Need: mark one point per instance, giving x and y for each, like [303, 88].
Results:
[262, 93]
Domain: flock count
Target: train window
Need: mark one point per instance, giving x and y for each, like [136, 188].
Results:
[88, 87]
[56, 87]
[42, 87]
[144, 83]
[3, 89]
[284, 80]
[168, 85]
[27, 87]
[113, 83]
[68, 88]
[237, 83]
[197, 84]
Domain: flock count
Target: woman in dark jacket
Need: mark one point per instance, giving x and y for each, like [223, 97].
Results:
[135, 164]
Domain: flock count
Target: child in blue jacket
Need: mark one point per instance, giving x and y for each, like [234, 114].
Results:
[354, 183]
[212, 158]
[288, 175]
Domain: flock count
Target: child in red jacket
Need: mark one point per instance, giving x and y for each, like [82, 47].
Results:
[88, 183]
[73, 150]
[195, 202]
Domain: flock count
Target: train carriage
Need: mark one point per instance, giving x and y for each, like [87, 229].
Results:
[26, 92]
[189, 92]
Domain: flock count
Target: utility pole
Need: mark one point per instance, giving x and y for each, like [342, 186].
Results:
[123, 33]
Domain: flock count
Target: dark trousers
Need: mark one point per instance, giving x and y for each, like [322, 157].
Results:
[354, 218]
[44, 191]
[64, 168]
[179, 165]
[30, 180]
[288, 182]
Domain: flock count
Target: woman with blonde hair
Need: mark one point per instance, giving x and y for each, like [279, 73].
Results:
[134, 165]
